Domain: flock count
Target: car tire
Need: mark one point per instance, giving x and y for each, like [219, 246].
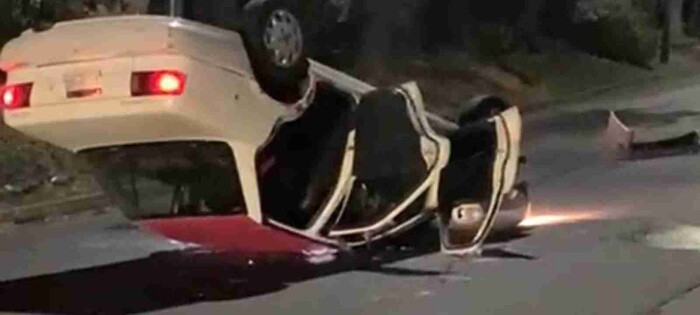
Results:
[276, 39]
[481, 107]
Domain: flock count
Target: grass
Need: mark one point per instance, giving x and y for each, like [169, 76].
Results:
[23, 160]
[556, 74]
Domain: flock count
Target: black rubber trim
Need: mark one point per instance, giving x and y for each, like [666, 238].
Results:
[687, 143]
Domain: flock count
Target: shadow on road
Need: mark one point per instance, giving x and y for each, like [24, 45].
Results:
[170, 279]
[160, 281]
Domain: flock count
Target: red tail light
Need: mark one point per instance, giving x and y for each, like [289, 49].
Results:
[15, 96]
[158, 83]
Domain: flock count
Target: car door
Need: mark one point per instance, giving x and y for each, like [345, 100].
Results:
[482, 169]
[398, 159]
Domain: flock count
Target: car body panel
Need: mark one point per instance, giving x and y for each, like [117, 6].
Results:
[83, 41]
[512, 120]
[207, 109]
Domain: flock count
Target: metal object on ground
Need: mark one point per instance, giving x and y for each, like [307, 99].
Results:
[685, 144]
[618, 137]
[623, 143]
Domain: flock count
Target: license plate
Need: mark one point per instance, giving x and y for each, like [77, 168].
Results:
[82, 83]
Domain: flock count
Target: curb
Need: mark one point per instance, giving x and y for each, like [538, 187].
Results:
[572, 97]
[44, 210]
[610, 90]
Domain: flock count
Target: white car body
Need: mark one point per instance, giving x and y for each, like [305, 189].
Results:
[222, 102]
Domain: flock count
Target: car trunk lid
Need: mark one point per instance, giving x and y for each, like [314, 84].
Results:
[84, 59]
[84, 40]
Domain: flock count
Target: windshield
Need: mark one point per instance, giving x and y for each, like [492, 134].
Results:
[193, 179]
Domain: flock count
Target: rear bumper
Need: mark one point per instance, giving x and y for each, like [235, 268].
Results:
[103, 123]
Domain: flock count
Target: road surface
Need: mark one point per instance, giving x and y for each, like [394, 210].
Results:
[608, 238]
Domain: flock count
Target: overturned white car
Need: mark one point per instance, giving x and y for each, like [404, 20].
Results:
[186, 140]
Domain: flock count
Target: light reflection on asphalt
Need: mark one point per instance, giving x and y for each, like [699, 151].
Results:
[548, 217]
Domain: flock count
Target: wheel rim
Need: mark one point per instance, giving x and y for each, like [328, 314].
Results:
[283, 38]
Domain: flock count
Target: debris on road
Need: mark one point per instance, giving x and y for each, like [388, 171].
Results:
[320, 255]
[60, 179]
[624, 143]
[682, 237]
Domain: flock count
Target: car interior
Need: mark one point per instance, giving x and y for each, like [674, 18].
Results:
[389, 165]
[290, 193]
[471, 156]
[467, 178]
[195, 178]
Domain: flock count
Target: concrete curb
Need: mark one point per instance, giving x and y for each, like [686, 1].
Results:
[602, 89]
[43, 210]
[611, 90]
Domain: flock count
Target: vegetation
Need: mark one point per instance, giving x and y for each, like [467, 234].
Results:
[619, 30]
[10, 20]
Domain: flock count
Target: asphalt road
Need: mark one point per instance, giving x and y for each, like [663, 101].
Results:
[608, 238]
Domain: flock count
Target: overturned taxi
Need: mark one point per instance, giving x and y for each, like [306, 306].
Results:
[189, 144]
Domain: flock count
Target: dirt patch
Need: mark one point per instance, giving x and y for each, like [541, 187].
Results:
[26, 169]
[447, 80]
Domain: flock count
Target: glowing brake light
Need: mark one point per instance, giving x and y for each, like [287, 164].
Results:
[169, 83]
[15, 96]
[8, 97]
[157, 83]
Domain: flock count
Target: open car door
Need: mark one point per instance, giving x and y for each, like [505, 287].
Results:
[398, 159]
[483, 168]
